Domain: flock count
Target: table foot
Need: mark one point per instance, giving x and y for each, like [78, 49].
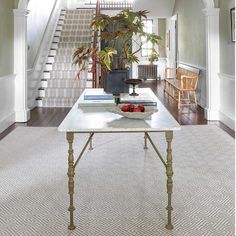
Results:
[71, 227]
[169, 227]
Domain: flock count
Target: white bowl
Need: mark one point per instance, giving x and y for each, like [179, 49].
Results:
[149, 110]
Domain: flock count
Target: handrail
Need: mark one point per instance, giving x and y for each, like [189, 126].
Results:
[116, 5]
[94, 58]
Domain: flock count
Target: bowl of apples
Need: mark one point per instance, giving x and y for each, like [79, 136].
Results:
[137, 111]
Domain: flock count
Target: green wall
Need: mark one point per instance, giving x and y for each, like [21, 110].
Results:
[191, 32]
[6, 37]
[162, 33]
[227, 47]
[16, 4]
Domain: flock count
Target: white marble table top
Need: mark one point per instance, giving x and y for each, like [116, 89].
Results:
[99, 119]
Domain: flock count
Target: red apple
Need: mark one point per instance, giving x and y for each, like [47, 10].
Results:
[125, 108]
[141, 107]
[131, 108]
[137, 109]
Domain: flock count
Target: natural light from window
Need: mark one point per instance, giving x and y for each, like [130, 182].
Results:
[146, 46]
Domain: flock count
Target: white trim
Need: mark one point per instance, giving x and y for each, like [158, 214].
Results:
[192, 65]
[7, 121]
[20, 64]
[223, 76]
[212, 61]
[211, 114]
[7, 91]
[22, 115]
[11, 76]
[31, 70]
[227, 120]
[226, 113]
[190, 68]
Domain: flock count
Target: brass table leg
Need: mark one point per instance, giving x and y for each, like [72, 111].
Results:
[169, 174]
[91, 144]
[71, 173]
[145, 141]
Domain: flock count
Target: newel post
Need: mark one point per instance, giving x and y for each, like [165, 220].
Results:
[212, 61]
[22, 112]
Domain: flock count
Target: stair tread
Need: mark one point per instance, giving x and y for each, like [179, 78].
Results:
[59, 84]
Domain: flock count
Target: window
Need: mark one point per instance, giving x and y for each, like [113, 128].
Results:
[147, 46]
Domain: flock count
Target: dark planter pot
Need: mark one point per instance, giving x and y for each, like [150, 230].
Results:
[114, 81]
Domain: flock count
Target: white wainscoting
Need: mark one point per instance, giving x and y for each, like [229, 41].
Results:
[7, 101]
[33, 85]
[227, 100]
[35, 74]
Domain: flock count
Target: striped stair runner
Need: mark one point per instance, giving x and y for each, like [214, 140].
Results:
[59, 87]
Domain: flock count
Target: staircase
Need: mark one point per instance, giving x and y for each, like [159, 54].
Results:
[59, 88]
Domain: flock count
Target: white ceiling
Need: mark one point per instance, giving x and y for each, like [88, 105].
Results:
[157, 8]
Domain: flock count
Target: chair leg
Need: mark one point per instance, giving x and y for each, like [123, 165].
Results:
[173, 92]
[188, 98]
[179, 100]
[195, 99]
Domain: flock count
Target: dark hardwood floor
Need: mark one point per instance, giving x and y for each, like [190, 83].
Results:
[49, 117]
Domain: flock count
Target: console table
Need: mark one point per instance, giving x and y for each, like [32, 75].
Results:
[98, 119]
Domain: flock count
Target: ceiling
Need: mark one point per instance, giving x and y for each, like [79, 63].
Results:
[157, 8]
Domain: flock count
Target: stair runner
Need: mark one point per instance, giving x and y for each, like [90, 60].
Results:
[60, 88]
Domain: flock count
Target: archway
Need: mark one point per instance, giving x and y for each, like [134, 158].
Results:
[212, 58]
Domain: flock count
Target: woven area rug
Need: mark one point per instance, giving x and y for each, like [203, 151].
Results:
[120, 189]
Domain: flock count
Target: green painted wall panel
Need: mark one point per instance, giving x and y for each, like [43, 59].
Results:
[191, 32]
[6, 37]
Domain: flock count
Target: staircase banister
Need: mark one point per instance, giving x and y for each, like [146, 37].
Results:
[94, 58]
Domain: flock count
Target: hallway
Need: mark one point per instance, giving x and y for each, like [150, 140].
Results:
[53, 116]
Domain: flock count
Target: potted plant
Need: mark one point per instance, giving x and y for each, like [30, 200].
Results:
[154, 56]
[118, 33]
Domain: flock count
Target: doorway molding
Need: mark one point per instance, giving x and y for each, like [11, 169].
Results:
[212, 60]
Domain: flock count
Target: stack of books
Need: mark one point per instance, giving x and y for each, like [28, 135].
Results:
[96, 97]
[97, 94]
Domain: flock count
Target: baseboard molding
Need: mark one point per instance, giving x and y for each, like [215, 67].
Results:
[227, 100]
[227, 120]
[223, 76]
[192, 65]
[7, 121]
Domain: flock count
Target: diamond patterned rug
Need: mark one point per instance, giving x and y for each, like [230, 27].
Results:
[120, 189]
